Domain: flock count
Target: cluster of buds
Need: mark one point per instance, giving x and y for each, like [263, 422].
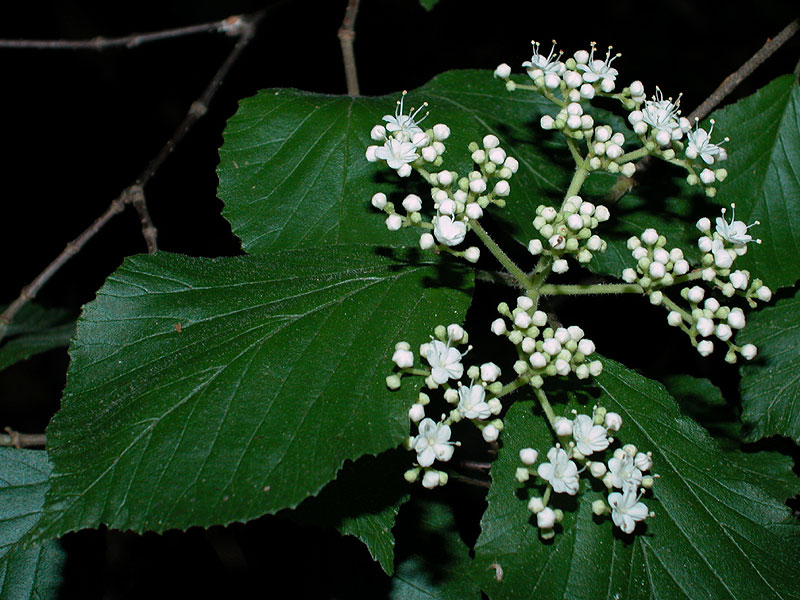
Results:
[476, 402]
[656, 267]
[708, 318]
[606, 152]
[569, 231]
[544, 351]
[586, 436]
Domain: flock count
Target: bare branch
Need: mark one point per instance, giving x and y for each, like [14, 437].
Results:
[22, 440]
[247, 29]
[347, 34]
[149, 231]
[229, 26]
[734, 79]
[134, 194]
[29, 291]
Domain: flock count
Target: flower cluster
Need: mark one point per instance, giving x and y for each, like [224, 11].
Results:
[544, 351]
[657, 268]
[569, 231]
[587, 436]
[405, 144]
[476, 402]
[657, 122]
[457, 201]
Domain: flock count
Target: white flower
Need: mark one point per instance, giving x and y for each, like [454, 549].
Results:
[588, 437]
[397, 153]
[433, 442]
[662, 115]
[539, 65]
[626, 509]
[699, 144]
[472, 402]
[734, 232]
[560, 472]
[597, 69]
[445, 362]
[448, 231]
[622, 471]
[405, 125]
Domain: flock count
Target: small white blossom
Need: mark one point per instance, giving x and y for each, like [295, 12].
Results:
[397, 153]
[432, 443]
[560, 472]
[699, 144]
[622, 471]
[472, 402]
[662, 116]
[588, 437]
[405, 126]
[626, 509]
[548, 65]
[734, 232]
[448, 231]
[599, 70]
[445, 362]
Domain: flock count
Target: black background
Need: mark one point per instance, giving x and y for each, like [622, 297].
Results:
[79, 126]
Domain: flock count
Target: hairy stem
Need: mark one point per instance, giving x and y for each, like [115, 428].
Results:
[501, 256]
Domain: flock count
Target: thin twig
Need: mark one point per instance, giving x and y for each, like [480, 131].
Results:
[475, 465]
[228, 26]
[470, 480]
[199, 107]
[732, 81]
[347, 34]
[149, 231]
[29, 291]
[22, 440]
[623, 185]
[134, 194]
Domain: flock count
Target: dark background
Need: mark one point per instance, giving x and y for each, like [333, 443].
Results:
[79, 126]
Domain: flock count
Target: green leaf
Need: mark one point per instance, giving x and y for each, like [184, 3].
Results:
[718, 532]
[703, 401]
[769, 385]
[25, 573]
[35, 330]
[293, 173]
[439, 565]
[363, 501]
[764, 179]
[206, 391]
[428, 4]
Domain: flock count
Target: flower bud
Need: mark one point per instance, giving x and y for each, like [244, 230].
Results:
[546, 518]
[528, 456]
[416, 413]
[563, 427]
[535, 505]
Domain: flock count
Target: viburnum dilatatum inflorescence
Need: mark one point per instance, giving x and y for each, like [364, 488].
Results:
[704, 298]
